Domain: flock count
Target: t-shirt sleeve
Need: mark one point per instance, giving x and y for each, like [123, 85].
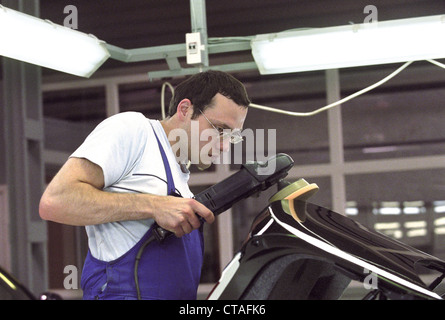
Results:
[115, 145]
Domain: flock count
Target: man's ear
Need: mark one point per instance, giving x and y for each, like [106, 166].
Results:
[184, 109]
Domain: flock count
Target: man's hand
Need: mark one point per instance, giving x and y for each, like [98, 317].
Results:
[180, 215]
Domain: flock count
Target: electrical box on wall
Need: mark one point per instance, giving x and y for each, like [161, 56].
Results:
[195, 49]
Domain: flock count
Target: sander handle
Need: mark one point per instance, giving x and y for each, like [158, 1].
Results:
[252, 178]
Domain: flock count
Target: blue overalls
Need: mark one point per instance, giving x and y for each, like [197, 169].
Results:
[170, 270]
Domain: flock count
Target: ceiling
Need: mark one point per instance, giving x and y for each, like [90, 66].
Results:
[133, 24]
[145, 23]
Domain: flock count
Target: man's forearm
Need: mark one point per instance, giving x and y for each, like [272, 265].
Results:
[83, 204]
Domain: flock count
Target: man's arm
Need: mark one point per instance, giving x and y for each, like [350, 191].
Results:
[75, 197]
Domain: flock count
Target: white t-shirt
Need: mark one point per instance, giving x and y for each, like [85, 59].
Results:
[125, 147]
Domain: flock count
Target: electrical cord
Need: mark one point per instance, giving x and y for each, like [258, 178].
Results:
[136, 264]
[437, 63]
[165, 84]
[311, 113]
[350, 97]
[329, 106]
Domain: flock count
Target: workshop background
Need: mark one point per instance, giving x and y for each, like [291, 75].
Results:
[379, 158]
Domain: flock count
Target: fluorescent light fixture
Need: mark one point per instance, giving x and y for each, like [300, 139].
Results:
[350, 45]
[41, 42]
[439, 222]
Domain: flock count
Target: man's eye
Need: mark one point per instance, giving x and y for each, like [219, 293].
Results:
[220, 131]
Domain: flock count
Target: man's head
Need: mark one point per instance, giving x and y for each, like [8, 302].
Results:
[201, 88]
[207, 104]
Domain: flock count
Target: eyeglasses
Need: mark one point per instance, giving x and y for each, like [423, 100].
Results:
[234, 135]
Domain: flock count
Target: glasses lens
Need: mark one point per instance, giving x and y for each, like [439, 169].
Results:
[236, 137]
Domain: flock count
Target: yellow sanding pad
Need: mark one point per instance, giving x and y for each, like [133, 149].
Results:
[297, 192]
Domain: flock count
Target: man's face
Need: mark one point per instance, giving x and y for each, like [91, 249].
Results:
[224, 114]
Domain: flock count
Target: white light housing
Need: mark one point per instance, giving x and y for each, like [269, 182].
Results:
[41, 42]
[351, 45]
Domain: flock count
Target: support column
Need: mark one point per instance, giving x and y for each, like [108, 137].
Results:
[199, 24]
[23, 134]
[112, 98]
[336, 149]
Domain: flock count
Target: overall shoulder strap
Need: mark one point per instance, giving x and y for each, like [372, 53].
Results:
[170, 181]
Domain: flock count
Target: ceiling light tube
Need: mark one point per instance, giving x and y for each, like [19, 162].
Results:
[27, 38]
[350, 45]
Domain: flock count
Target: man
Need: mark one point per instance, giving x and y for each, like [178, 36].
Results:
[126, 175]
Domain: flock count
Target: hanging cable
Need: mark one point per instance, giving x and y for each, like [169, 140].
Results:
[352, 96]
[317, 111]
[436, 63]
[165, 84]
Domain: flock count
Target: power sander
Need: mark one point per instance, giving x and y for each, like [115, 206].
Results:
[253, 177]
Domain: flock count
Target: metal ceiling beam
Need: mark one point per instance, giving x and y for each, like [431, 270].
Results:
[147, 54]
[172, 52]
[242, 66]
